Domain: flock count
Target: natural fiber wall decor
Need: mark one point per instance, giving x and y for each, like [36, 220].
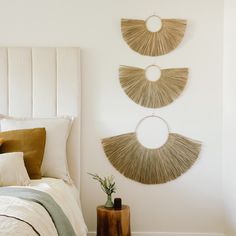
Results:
[148, 43]
[152, 94]
[151, 166]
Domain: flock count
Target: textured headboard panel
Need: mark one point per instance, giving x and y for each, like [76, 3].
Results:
[43, 82]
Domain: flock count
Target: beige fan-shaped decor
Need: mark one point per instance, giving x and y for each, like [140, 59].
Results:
[152, 94]
[148, 43]
[151, 166]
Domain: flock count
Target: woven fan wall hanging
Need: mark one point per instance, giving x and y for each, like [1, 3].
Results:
[151, 166]
[152, 94]
[148, 43]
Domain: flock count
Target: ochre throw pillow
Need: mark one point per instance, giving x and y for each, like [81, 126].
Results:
[29, 141]
[1, 141]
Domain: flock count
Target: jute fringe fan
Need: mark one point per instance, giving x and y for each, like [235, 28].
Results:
[153, 94]
[151, 166]
[148, 43]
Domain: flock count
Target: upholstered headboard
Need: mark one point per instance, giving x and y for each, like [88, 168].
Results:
[43, 82]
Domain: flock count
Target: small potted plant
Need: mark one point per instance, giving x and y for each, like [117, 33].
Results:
[108, 186]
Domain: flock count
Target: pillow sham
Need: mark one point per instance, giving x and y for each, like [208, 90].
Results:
[29, 141]
[12, 170]
[57, 131]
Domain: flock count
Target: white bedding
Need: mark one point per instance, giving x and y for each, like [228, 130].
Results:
[65, 195]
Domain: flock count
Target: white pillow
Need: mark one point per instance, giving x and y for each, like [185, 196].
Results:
[12, 169]
[57, 132]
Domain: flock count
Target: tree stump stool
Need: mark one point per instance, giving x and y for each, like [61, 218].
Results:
[111, 222]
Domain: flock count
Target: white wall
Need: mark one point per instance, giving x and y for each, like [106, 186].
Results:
[229, 117]
[193, 202]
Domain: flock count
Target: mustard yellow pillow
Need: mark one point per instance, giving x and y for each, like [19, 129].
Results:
[29, 141]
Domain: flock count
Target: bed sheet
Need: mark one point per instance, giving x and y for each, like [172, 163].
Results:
[65, 195]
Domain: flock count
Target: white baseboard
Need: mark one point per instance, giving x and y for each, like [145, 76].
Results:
[167, 234]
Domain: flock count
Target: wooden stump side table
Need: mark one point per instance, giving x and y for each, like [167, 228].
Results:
[111, 222]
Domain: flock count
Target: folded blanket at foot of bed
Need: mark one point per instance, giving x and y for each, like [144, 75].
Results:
[61, 222]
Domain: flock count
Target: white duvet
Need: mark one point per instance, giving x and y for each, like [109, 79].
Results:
[66, 197]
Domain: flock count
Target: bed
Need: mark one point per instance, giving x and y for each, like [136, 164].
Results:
[40, 101]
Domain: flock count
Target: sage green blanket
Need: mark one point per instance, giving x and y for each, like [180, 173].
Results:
[61, 222]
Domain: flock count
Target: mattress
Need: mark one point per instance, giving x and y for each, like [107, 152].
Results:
[30, 218]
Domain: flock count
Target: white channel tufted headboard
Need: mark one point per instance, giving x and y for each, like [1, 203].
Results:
[44, 82]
